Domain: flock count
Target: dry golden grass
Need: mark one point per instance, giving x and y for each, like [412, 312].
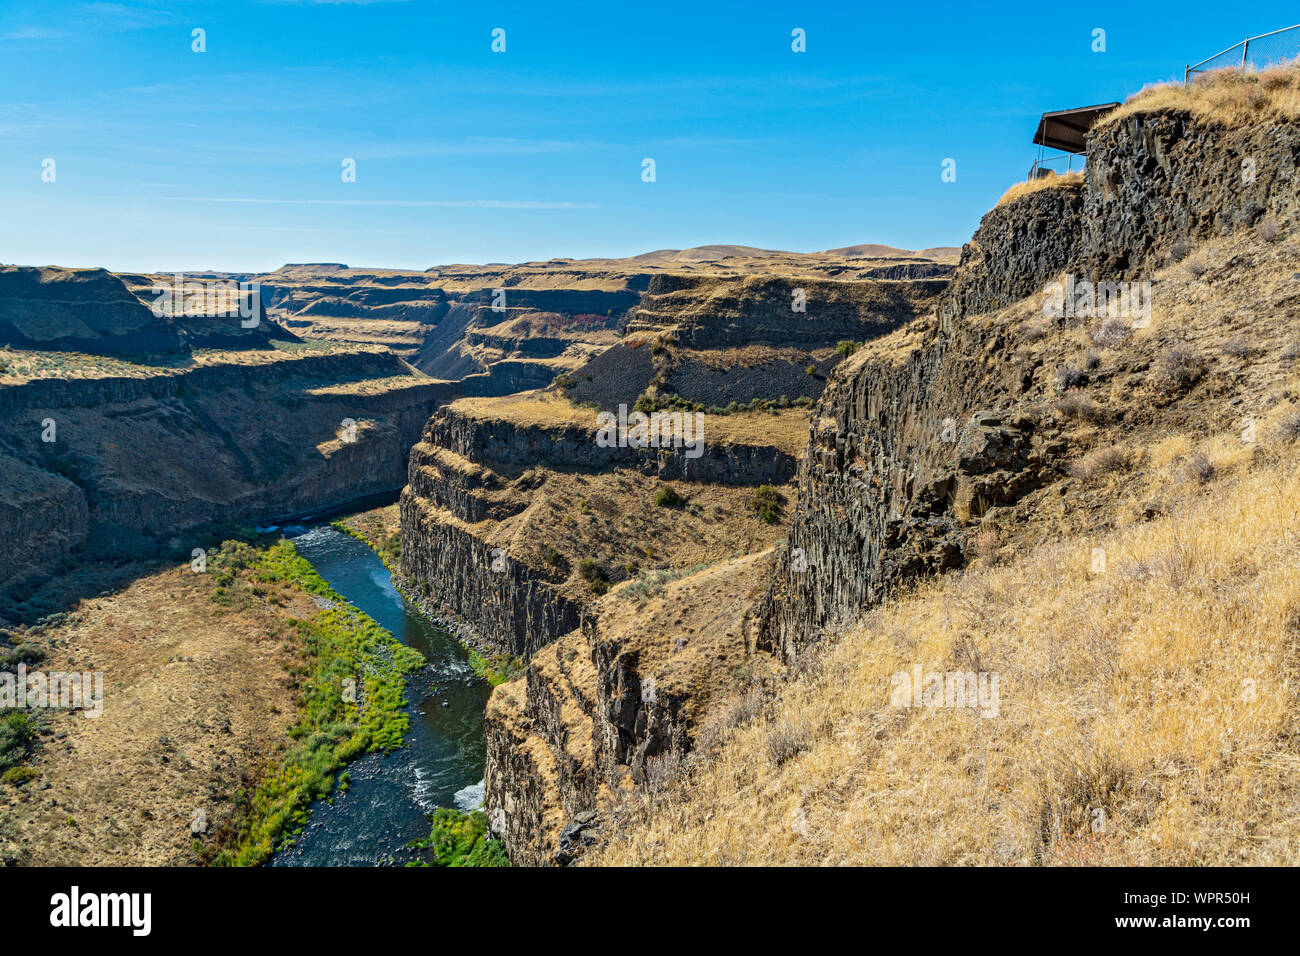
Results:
[1160, 693]
[1035, 185]
[786, 429]
[747, 356]
[374, 386]
[1228, 97]
[198, 698]
[24, 365]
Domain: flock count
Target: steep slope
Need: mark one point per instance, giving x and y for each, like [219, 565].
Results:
[613, 705]
[912, 446]
[1129, 464]
[1144, 715]
[515, 518]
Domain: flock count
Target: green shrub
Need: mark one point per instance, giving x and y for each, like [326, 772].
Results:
[460, 839]
[846, 347]
[497, 669]
[28, 654]
[667, 497]
[652, 584]
[767, 503]
[17, 776]
[594, 575]
[17, 732]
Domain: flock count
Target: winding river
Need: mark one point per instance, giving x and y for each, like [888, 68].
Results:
[441, 764]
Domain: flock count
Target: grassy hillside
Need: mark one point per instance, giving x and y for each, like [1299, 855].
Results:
[1147, 712]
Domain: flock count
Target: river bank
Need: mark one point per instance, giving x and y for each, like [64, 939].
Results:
[382, 816]
[252, 706]
[209, 671]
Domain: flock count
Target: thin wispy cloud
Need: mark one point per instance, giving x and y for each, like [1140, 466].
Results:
[445, 203]
[122, 16]
[35, 33]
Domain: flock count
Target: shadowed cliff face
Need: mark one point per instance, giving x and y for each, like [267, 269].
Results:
[615, 705]
[121, 465]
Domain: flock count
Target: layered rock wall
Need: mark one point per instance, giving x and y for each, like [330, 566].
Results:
[121, 466]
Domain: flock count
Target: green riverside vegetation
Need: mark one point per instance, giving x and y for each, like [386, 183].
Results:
[460, 839]
[334, 726]
[495, 668]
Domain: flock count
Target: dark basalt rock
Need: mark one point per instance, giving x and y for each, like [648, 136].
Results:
[886, 491]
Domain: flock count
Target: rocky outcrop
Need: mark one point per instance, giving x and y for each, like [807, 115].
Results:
[166, 382]
[1018, 247]
[1154, 178]
[540, 769]
[509, 606]
[511, 447]
[905, 455]
[635, 721]
[708, 312]
[79, 310]
[472, 471]
[611, 706]
[911, 270]
[914, 444]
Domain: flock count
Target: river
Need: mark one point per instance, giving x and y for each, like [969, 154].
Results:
[441, 764]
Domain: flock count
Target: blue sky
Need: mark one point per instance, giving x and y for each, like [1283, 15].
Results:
[465, 155]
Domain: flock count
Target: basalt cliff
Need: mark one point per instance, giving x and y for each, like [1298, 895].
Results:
[971, 424]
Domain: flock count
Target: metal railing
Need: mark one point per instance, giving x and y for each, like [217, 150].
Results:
[1061, 165]
[1252, 53]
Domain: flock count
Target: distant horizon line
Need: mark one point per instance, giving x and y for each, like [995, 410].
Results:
[885, 251]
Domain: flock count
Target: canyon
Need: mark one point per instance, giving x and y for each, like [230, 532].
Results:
[137, 439]
[673, 638]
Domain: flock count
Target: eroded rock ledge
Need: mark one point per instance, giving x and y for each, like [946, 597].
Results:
[476, 530]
